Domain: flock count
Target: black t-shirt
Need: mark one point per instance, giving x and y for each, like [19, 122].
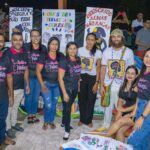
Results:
[128, 97]
[144, 87]
[50, 68]
[19, 62]
[72, 72]
[5, 69]
[33, 56]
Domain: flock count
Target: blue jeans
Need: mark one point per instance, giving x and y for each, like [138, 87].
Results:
[50, 102]
[139, 139]
[31, 100]
[3, 116]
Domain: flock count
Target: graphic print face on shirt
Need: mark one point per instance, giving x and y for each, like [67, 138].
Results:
[116, 66]
[87, 63]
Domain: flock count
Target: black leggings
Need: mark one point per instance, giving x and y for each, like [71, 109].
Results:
[86, 98]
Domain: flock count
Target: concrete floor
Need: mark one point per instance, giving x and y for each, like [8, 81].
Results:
[34, 138]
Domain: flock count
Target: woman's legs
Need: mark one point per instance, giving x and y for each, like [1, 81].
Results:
[120, 135]
[123, 121]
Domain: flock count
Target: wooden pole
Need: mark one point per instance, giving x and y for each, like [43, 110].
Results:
[62, 4]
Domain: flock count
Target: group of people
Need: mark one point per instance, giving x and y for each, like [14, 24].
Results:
[30, 69]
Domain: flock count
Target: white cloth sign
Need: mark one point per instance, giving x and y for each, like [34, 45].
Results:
[21, 19]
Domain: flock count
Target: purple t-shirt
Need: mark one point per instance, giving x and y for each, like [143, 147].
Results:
[144, 87]
[19, 62]
[33, 56]
[5, 69]
[72, 72]
[50, 68]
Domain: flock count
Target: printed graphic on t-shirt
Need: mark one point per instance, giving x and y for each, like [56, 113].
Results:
[143, 85]
[74, 70]
[87, 63]
[33, 57]
[2, 73]
[116, 66]
[19, 66]
[51, 66]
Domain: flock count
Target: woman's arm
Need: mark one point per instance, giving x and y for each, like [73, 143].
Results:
[39, 68]
[26, 78]
[140, 121]
[61, 74]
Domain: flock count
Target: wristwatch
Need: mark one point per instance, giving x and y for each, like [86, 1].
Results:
[143, 116]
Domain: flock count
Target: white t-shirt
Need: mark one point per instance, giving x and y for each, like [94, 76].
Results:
[136, 23]
[111, 58]
[88, 61]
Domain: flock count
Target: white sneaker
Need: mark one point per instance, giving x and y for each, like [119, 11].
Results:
[66, 136]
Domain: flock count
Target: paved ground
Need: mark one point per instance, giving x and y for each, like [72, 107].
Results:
[34, 138]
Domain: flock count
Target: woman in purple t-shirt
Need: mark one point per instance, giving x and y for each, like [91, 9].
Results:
[47, 74]
[139, 139]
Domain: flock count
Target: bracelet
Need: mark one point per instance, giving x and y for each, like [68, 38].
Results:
[143, 116]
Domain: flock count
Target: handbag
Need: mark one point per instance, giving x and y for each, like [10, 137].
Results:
[105, 99]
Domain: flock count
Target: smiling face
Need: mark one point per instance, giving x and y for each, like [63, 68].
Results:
[72, 50]
[35, 37]
[2, 42]
[131, 75]
[146, 59]
[53, 46]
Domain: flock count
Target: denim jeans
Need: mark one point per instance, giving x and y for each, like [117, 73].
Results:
[67, 108]
[3, 115]
[139, 139]
[50, 102]
[31, 100]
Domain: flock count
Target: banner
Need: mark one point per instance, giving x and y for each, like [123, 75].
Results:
[98, 20]
[58, 23]
[21, 19]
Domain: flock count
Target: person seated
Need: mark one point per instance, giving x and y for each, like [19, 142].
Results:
[126, 106]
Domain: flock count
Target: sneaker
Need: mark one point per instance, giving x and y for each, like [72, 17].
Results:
[17, 127]
[10, 133]
[66, 136]
[62, 125]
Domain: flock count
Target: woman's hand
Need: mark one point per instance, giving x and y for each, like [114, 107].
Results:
[95, 88]
[27, 90]
[44, 88]
[102, 91]
[66, 97]
[139, 123]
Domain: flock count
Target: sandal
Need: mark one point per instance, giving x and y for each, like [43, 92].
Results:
[45, 126]
[30, 120]
[9, 141]
[52, 125]
[35, 120]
